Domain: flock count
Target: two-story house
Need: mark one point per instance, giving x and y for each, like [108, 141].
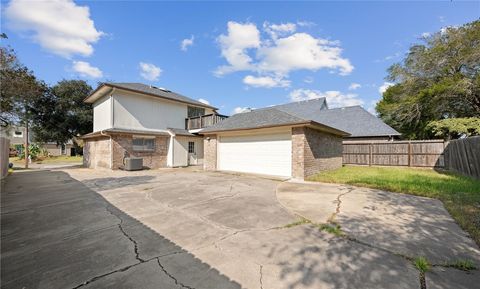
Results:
[134, 119]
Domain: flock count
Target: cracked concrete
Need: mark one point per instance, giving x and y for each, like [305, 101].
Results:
[182, 228]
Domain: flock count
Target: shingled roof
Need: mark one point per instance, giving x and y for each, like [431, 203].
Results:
[354, 120]
[152, 91]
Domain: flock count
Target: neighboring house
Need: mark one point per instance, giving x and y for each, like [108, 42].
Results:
[134, 119]
[17, 137]
[53, 149]
[292, 140]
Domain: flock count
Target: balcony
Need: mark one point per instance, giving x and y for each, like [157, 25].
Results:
[203, 121]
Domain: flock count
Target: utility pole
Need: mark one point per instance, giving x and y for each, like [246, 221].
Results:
[26, 145]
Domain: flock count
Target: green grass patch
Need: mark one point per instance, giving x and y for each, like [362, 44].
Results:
[300, 222]
[331, 228]
[60, 159]
[465, 265]
[421, 263]
[459, 194]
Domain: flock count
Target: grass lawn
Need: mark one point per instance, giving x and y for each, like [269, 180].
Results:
[59, 159]
[459, 194]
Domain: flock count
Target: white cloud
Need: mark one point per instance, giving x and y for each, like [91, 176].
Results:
[239, 38]
[308, 79]
[354, 86]
[371, 108]
[276, 30]
[305, 23]
[334, 98]
[186, 43]
[204, 101]
[426, 34]
[265, 81]
[302, 51]
[384, 87]
[241, 110]
[280, 52]
[150, 71]
[61, 27]
[85, 69]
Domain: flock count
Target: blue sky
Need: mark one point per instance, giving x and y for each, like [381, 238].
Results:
[235, 55]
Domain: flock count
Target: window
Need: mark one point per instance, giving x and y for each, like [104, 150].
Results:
[193, 111]
[143, 144]
[191, 147]
[18, 133]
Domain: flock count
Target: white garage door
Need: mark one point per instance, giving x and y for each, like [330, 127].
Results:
[269, 154]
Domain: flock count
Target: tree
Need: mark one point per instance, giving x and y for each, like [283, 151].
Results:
[19, 89]
[455, 127]
[61, 115]
[439, 79]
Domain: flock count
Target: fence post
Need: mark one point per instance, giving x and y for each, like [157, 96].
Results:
[370, 154]
[409, 154]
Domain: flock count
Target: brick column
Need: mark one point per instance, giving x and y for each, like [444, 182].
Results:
[298, 152]
[210, 153]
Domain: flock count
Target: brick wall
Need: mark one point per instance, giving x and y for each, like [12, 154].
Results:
[298, 144]
[210, 153]
[314, 151]
[96, 153]
[122, 143]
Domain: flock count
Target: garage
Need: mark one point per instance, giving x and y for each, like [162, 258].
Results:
[269, 154]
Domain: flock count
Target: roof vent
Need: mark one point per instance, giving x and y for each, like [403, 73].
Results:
[161, 88]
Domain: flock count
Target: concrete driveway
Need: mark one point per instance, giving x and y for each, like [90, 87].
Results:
[182, 228]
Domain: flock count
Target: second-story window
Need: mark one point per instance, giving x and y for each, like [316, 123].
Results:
[193, 111]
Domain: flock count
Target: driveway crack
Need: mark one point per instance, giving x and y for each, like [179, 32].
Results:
[132, 240]
[261, 276]
[123, 269]
[339, 204]
[171, 276]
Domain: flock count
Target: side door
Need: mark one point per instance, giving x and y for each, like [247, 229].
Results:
[192, 153]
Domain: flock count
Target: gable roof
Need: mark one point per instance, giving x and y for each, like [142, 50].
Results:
[143, 89]
[354, 120]
[280, 115]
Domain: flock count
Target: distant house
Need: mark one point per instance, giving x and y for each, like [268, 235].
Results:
[167, 129]
[17, 137]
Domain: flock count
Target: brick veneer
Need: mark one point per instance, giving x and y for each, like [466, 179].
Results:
[210, 153]
[122, 143]
[314, 151]
[96, 152]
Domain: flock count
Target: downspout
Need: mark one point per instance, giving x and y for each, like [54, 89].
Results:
[171, 147]
[112, 125]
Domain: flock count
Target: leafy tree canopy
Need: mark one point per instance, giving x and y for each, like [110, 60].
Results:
[455, 127]
[18, 90]
[61, 114]
[437, 80]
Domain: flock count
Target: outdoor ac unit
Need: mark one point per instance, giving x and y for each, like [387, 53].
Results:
[133, 164]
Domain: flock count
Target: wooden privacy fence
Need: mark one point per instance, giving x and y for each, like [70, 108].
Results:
[424, 153]
[463, 156]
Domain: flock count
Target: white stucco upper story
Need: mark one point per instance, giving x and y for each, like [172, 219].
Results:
[129, 110]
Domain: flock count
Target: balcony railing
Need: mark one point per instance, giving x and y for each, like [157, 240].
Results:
[203, 121]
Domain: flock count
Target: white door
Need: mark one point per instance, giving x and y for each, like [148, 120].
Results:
[192, 153]
[269, 154]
